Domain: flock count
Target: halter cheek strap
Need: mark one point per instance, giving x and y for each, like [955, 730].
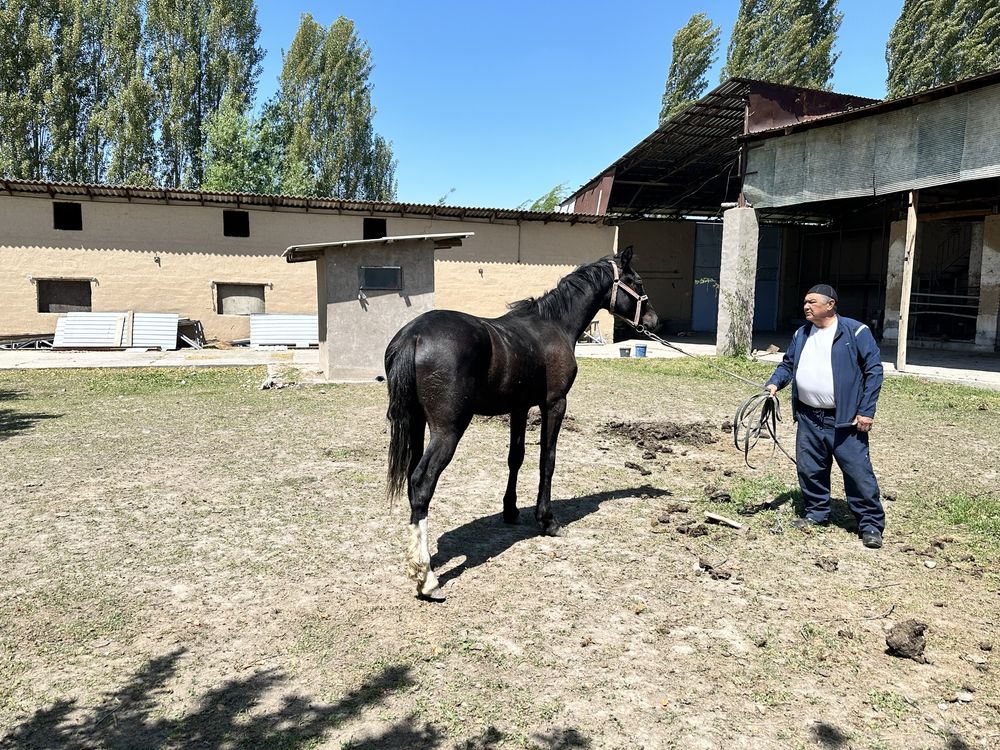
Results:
[617, 284]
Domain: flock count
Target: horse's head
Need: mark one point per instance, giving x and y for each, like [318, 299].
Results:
[628, 299]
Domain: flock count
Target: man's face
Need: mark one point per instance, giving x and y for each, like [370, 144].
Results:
[817, 307]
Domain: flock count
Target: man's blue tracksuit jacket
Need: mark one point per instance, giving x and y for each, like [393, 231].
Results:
[824, 435]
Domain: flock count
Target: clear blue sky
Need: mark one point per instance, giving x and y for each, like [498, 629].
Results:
[502, 101]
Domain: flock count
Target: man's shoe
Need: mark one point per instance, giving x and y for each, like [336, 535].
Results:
[871, 538]
[805, 523]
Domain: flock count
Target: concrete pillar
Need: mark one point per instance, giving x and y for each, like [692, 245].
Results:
[894, 280]
[989, 286]
[737, 279]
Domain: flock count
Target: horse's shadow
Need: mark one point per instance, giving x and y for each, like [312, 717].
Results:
[487, 537]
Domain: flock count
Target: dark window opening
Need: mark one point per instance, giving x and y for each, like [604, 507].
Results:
[63, 295]
[236, 223]
[239, 299]
[374, 229]
[381, 277]
[67, 216]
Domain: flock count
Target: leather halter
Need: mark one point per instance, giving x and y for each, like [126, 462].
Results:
[616, 285]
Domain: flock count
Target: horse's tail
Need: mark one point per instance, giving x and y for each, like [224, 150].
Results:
[401, 376]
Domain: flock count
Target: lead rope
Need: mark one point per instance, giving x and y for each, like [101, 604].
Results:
[755, 416]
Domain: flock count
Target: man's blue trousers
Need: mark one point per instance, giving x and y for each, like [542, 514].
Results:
[817, 444]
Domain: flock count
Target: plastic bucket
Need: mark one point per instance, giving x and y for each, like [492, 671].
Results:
[625, 351]
[640, 350]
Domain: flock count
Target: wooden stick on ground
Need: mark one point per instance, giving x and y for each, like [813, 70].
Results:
[716, 518]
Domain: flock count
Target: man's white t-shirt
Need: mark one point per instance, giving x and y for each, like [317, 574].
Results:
[814, 376]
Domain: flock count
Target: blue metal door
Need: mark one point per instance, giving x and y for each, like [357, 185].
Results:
[707, 263]
[765, 308]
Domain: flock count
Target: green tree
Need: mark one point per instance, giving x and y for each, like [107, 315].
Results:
[200, 49]
[784, 41]
[125, 116]
[25, 73]
[934, 42]
[550, 201]
[694, 50]
[69, 94]
[324, 116]
[239, 152]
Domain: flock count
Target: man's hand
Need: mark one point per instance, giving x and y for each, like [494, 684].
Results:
[771, 389]
[863, 424]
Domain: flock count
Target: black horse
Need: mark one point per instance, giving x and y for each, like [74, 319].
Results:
[444, 366]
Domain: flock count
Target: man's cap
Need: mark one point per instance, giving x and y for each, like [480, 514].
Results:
[825, 289]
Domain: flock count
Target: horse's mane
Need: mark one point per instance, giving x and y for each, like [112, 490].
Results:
[559, 301]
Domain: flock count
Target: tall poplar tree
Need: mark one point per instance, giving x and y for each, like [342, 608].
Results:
[125, 116]
[784, 41]
[694, 49]
[938, 41]
[200, 49]
[324, 113]
[25, 75]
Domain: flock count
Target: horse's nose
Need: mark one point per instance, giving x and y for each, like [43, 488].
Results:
[650, 319]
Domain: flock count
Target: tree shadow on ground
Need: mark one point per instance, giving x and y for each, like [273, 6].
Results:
[232, 716]
[489, 536]
[13, 422]
[228, 716]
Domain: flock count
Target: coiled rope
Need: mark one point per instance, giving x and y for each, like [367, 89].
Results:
[755, 416]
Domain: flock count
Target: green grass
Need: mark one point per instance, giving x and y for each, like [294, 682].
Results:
[948, 398]
[888, 703]
[979, 513]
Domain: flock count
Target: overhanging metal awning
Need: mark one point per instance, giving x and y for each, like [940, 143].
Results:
[690, 165]
[314, 251]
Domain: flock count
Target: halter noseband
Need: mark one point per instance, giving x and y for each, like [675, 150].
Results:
[616, 285]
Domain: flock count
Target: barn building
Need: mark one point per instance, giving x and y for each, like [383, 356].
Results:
[895, 203]
[217, 257]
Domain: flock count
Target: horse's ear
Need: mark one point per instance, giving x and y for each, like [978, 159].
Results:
[625, 257]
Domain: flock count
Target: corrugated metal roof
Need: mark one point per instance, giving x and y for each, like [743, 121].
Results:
[690, 165]
[77, 191]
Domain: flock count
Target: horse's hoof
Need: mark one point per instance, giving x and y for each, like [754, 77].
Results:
[512, 518]
[553, 528]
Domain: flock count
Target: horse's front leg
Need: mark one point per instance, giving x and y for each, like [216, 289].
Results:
[518, 421]
[552, 417]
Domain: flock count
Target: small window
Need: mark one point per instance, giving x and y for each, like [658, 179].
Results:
[63, 295]
[67, 216]
[381, 277]
[239, 299]
[374, 229]
[236, 223]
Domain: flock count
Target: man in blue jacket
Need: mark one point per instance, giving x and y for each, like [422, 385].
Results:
[835, 369]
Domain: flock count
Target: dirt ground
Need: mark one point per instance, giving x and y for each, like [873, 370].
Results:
[189, 561]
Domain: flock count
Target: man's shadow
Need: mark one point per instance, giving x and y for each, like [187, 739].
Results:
[840, 512]
[489, 536]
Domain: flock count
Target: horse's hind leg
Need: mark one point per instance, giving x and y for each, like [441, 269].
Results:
[423, 481]
[515, 458]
